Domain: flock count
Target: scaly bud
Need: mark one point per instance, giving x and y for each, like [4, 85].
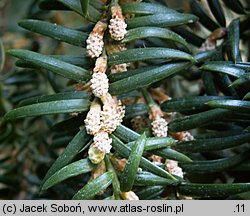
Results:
[95, 155]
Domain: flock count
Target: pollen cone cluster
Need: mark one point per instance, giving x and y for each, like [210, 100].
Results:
[117, 26]
[95, 40]
[93, 120]
[160, 129]
[117, 30]
[102, 121]
[159, 124]
[173, 168]
[102, 141]
[112, 115]
[101, 124]
[99, 84]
